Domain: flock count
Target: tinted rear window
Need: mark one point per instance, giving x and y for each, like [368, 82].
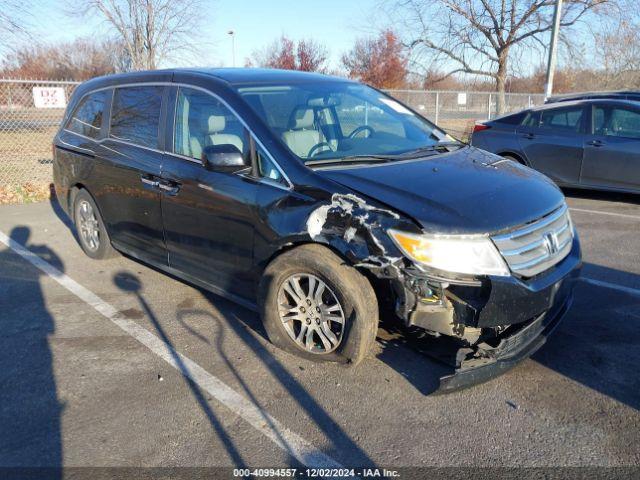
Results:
[616, 122]
[87, 117]
[532, 119]
[568, 119]
[135, 115]
[515, 119]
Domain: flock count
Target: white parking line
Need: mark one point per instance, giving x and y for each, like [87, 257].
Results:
[613, 214]
[613, 286]
[287, 440]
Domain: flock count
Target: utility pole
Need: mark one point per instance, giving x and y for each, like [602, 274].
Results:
[551, 66]
[232, 34]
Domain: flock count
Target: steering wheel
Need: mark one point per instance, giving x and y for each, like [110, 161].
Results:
[362, 128]
[317, 146]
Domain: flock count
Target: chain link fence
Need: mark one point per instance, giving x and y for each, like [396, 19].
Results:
[457, 111]
[31, 111]
[30, 114]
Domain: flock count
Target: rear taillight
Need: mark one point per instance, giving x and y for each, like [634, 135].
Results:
[478, 127]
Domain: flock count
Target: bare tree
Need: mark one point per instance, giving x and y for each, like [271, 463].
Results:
[80, 59]
[12, 15]
[617, 53]
[151, 30]
[14, 22]
[479, 37]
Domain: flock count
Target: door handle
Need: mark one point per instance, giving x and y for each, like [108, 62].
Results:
[149, 181]
[165, 186]
[596, 143]
[169, 187]
[529, 136]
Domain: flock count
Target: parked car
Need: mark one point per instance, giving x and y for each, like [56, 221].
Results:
[319, 202]
[617, 95]
[586, 144]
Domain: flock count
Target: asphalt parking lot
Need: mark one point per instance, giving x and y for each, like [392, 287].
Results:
[114, 364]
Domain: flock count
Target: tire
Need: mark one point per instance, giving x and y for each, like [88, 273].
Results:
[85, 213]
[352, 291]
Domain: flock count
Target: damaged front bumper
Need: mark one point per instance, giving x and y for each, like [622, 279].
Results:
[485, 364]
[495, 323]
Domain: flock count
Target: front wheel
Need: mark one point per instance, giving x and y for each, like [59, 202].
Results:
[316, 306]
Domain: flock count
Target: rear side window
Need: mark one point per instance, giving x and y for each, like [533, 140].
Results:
[616, 122]
[87, 117]
[599, 118]
[569, 119]
[531, 120]
[515, 119]
[135, 115]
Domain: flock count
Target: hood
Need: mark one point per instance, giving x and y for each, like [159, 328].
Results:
[464, 191]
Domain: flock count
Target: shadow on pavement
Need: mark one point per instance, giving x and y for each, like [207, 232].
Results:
[602, 195]
[412, 356]
[342, 446]
[598, 342]
[128, 282]
[183, 316]
[61, 214]
[237, 317]
[30, 411]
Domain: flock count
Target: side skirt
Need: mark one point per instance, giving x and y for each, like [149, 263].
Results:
[187, 278]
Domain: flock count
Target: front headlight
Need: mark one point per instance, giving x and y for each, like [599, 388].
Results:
[474, 255]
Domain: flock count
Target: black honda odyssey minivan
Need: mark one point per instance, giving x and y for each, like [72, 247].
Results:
[320, 202]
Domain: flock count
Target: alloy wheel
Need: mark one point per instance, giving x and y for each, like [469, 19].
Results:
[311, 313]
[88, 226]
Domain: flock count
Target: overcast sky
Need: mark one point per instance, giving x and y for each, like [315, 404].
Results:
[334, 23]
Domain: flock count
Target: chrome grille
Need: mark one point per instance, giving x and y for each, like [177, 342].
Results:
[533, 248]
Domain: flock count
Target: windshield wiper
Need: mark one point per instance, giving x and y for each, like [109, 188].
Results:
[439, 147]
[454, 143]
[436, 148]
[354, 159]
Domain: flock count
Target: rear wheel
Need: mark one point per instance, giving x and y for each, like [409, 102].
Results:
[90, 229]
[316, 306]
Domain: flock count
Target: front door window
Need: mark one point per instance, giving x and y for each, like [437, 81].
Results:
[202, 120]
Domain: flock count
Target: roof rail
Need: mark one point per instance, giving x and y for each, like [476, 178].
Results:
[612, 94]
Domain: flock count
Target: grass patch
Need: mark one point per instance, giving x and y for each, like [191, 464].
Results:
[25, 157]
[27, 193]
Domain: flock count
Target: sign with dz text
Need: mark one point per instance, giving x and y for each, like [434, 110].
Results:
[49, 97]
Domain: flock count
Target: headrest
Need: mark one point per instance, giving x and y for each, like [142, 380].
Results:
[302, 118]
[216, 123]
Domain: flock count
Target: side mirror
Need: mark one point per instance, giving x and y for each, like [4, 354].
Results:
[224, 157]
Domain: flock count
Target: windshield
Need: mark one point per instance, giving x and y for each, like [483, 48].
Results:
[335, 120]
